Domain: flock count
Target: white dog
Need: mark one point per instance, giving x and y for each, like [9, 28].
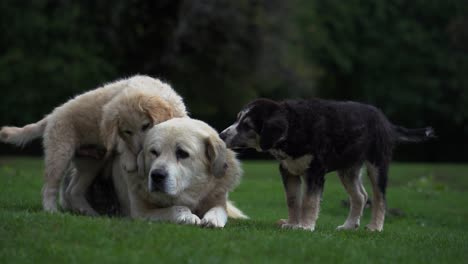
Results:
[119, 111]
[185, 173]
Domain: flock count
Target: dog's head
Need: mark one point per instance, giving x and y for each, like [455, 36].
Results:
[130, 115]
[261, 124]
[180, 154]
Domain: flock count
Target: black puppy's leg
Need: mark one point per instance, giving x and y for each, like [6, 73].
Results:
[313, 188]
[378, 176]
[351, 180]
[292, 187]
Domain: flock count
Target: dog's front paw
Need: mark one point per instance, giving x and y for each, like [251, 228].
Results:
[374, 227]
[185, 216]
[284, 224]
[188, 219]
[348, 226]
[215, 218]
[309, 228]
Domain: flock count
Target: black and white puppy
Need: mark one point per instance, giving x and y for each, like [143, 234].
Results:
[313, 137]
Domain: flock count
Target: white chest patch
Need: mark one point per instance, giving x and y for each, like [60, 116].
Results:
[296, 166]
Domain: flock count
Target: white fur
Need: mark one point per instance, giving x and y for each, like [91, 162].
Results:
[215, 217]
[296, 166]
[190, 183]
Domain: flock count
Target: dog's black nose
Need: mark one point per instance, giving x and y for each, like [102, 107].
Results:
[223, 135]
[158, 175]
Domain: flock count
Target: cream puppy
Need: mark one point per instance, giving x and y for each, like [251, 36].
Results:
[123, 110]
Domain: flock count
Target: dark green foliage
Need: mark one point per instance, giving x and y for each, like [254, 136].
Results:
[49, 54]
[409, 58]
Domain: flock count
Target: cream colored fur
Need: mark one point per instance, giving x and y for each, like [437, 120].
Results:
[197, 187]
[121, 110]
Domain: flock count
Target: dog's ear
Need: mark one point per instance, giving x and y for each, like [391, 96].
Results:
[109, 127]
[216, 153]
[141, 164]
[273, 130]
[157, 108]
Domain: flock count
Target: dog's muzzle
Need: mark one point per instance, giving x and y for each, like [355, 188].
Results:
[158, 179]
[223, 135]
[226, 136]
[231, 138]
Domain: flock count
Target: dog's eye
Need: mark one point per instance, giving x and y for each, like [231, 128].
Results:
[181, 154]
[154, 152]
[145, 127]
[128, 132]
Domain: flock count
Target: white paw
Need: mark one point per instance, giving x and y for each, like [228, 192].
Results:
[49, 205]
[282, 221]
[215, 218]
[284, 224]
[291, 226]
[374, 227]
[309, 228]
[347, 226]
[184, 216]
[188, 219]
[212, 221]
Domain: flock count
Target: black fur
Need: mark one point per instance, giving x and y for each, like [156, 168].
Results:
[101, 194]
[339, 135]
[103, 197]
[314, 181]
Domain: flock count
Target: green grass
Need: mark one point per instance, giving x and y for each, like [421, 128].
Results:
[433, 228]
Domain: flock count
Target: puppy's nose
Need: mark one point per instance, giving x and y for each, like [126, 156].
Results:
[158, 175]
[223, 135]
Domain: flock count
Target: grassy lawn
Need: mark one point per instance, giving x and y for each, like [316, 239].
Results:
[432, 228]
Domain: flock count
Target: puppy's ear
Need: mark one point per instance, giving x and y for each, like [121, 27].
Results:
[273, 130]
[216, 153]
[141, 164]
[109, 127]
[157, 108]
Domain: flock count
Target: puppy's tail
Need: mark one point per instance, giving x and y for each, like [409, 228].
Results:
[234, 212]
[404, 135]
[20, 136]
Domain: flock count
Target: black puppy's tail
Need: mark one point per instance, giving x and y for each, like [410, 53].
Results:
[406, 135]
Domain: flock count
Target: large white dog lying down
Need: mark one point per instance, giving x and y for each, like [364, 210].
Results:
[185, 173]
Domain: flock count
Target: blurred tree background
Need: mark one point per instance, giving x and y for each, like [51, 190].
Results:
[409, 58]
